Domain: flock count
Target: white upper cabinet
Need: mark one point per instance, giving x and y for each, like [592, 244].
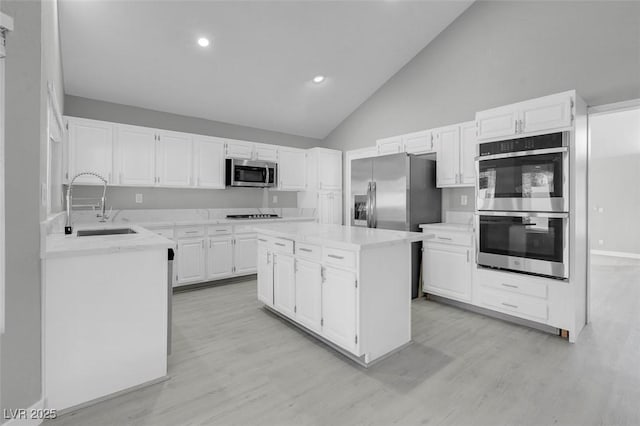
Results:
[329, 169]
[292, 169]
[448, 159]
[545, 114]
[90, 149]
[240, 149]
[136, 155]
[496, 122]
[265, 152]
[391, 145]
[468, 144]
[209, 162]
[175, 155]
[419, 142]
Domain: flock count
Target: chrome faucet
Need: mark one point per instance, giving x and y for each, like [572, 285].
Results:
[68, 229]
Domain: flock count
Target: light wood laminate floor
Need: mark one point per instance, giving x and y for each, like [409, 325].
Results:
[235, 364]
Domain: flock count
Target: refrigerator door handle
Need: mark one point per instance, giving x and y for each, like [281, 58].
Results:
[369, 205]
[374, 213]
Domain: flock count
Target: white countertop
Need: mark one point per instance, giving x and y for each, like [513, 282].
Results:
[61, 245]
[338, 235]
[168, 224]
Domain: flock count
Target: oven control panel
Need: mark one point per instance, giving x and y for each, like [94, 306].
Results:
[552, 140]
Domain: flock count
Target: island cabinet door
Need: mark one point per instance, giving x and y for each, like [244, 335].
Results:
[309, 295]
[265, 274]
[284, 289]
[339, 308]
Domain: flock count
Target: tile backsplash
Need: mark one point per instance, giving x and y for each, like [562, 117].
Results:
[453, 198]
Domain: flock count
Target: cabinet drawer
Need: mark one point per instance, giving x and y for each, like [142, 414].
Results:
[448, 237]
[244, 229]
[527, 285]
[515, 304]
[190, 231]
[339, 257]
[266, 241]
[281, 245]
[164, 232]
[308, 251]
[219, 230]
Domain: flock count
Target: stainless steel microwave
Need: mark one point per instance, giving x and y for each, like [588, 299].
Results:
[525, 174]
[256, 174]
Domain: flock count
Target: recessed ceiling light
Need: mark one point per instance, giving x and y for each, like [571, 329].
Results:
[203, 42]
[318, 79]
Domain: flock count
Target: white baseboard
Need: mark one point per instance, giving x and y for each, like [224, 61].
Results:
[616, 254]
[39, 405]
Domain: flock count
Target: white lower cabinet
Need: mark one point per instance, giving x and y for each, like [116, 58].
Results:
[339, 317]
[284, 289]
[191, 260]
[447, 271]
[309, 294]
[220, 257]
[265, 273]
[244, 254]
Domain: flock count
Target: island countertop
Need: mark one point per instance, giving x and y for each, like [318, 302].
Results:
[337, 235]
[61, 245]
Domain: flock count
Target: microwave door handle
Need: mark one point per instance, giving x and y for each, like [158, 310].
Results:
[369, 205]
[374, 206]
[266, 180]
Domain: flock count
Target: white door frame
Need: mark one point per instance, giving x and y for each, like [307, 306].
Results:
[597, 110]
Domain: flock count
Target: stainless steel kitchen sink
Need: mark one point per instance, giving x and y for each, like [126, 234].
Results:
[113, 231]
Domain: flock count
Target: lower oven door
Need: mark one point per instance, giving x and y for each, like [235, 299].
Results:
[536, 243]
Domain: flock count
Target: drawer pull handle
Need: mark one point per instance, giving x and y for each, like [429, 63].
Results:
[335, 257]
[305, 249]
[510, 285]
[222, 230]
[280, 244]
[445, 238]
[260, 239]
[510, 305]
[191, 232]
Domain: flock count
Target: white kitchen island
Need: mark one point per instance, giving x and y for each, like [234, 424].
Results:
[348, 286]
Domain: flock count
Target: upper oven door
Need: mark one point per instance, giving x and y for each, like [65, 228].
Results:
[524, 181]
[529, 242]
[251, 173]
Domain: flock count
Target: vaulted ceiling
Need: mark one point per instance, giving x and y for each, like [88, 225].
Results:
[263, 55]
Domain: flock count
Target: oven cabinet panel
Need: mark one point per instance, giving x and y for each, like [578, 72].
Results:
[447, 270]
[547, 113]
[520, 295]
[497, 122]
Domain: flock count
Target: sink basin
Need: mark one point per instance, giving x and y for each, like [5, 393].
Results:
[113, 231]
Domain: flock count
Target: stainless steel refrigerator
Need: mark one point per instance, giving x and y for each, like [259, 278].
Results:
[396, 191]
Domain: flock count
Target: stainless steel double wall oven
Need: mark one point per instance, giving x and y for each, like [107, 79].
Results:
[522, 199]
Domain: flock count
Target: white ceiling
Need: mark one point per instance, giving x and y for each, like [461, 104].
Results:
[263, 56]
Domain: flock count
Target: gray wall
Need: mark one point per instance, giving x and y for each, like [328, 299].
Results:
[614, 174]
[500, 52]
[124, 198]
[20, 383]
[168, 198]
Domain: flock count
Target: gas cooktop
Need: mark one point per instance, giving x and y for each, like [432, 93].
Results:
[253, 216]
